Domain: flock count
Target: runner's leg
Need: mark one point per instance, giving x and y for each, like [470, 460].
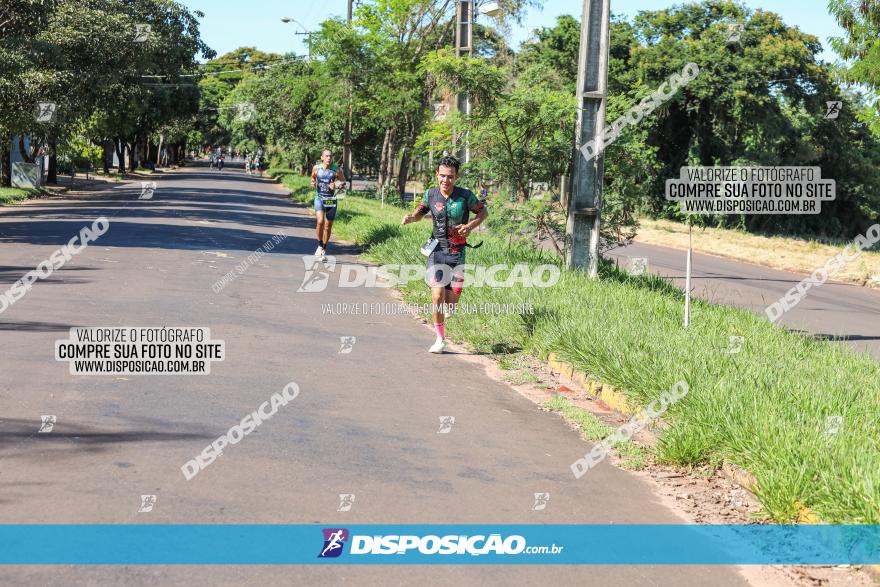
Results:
[319, 231]
[438, 276]
[328, 227]
[438, 298]
[320, 218]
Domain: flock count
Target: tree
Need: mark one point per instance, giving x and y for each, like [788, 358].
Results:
[861, 21]
[757, 102]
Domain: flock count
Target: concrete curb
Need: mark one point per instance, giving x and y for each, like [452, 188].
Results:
[613, 398]
[618, 402]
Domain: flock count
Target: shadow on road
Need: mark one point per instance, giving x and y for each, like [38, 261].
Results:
[71, 435]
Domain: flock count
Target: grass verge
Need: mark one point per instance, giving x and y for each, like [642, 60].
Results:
[13, 195]
[771, 408]
[632, 456]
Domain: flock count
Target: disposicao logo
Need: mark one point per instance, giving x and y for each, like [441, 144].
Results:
[334, 540]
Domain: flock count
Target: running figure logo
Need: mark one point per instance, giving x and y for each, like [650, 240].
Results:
[347, 344]
[734, 32]
[147, 189]
[346, 500]
[142, 32]
[833, 424]
[446, 423]
[317, 273]
[735, 344]
[245, 111]
[47, 424]
[833, 109]
[147, 503]
[334, 540]
[46, 111]
[638, 266]
[541, 500]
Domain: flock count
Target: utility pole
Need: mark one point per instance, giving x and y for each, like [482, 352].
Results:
[464, 21]
[346, 141]
[585, 202]
[287, 19]
[309, 41]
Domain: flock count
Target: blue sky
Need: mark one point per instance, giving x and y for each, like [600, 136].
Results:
[229, 24]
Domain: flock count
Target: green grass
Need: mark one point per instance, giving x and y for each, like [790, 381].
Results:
[13, 195]
[632, 455]
[522, 377]
[763, 409]
[591, 427]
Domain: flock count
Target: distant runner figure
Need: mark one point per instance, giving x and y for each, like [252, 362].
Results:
[324, 178]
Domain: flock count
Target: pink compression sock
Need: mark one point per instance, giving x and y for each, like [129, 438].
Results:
[441, 330]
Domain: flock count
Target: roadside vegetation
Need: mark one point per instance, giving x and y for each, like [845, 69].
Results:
[15, 195]
[770, 408]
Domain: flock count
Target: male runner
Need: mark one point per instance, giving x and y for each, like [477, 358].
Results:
[449, 207]
[324, 178]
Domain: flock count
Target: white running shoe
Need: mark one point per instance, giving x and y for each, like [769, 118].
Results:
[323, 255]
[438, 347]
[448, 311]
[319, 252]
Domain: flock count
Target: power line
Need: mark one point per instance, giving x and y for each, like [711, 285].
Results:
[260, 67]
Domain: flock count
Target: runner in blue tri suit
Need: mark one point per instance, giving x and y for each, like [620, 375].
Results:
[324, 178]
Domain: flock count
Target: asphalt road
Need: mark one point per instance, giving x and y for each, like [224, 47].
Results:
[836, 312]
[365, 423]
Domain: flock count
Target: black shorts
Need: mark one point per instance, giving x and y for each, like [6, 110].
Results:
[442, 270]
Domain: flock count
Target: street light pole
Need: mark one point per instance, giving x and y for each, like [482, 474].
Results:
[464, 21]
[585, 202]
[287, 19]
[309, 34]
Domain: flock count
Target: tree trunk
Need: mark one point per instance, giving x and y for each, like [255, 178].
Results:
[415, 128]
[406, 156]
[383, 158]
[120, 155]
[132, 155]
[6, 164]
[52, 173]
[159, 149]
[106, 157]
[24, 152]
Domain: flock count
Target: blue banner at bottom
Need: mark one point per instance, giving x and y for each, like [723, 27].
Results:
[245, 544]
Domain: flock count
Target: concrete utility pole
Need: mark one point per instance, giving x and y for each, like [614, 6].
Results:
[287, 19]
[464, 24]
[346, 141]
[585, 201]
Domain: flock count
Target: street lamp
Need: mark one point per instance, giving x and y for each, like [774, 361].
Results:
[490, 9]
[287, 19]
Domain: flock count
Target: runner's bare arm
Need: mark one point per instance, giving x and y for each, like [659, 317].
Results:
[314, 175]
[464, 230]
[419, 213]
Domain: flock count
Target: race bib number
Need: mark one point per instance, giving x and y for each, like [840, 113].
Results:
[329, 202]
